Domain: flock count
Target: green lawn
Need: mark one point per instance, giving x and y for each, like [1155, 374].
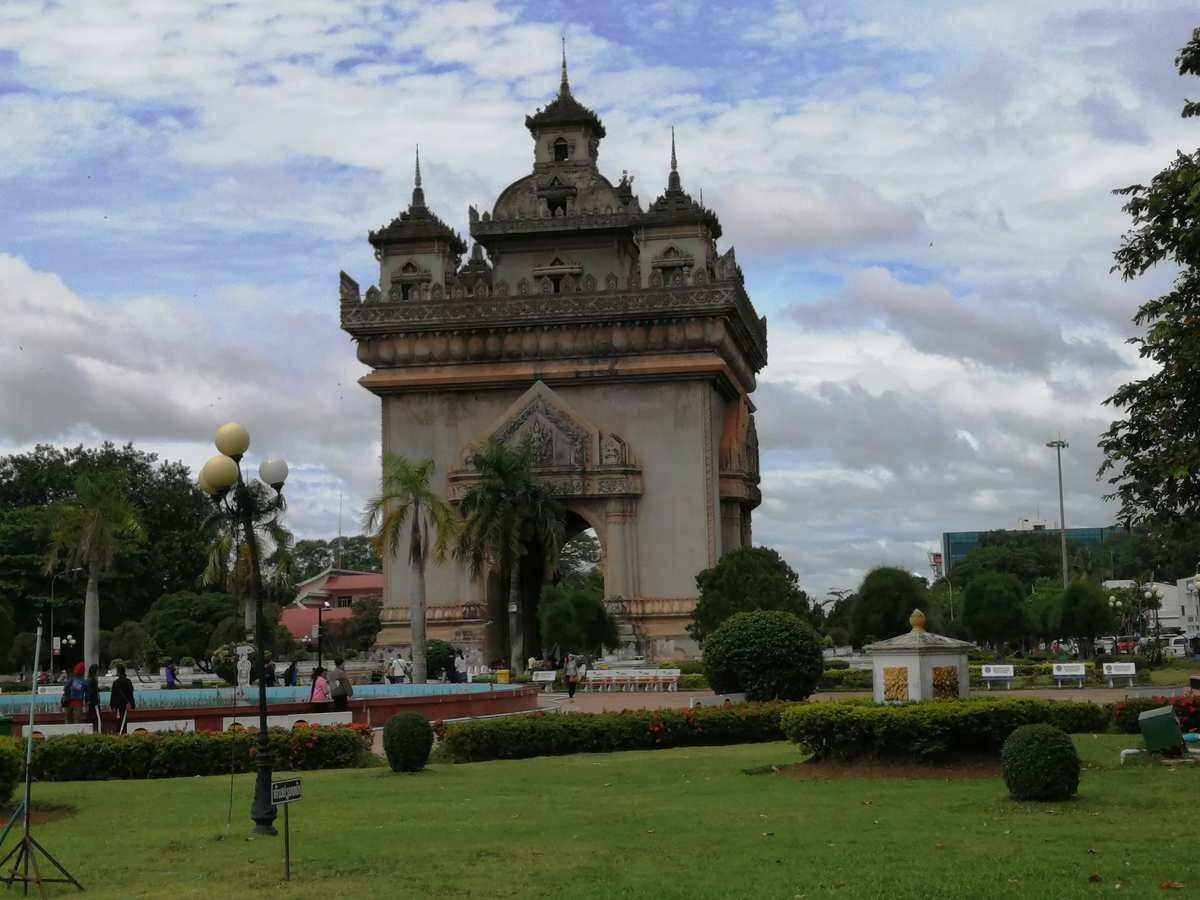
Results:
[667, 824]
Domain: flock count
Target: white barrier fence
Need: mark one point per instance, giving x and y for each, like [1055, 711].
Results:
[631, 680]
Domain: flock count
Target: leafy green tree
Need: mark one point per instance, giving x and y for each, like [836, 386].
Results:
[883, 603]
[168, 505]
[744, 580]
[314, 556]
[572, 616]
[131, 642]
[183, 624]
[441, 658]
[994, 608]
[229, 564]
[580, 555]
[406, 499]
[1028, 555]
[944, 600]
[90, 531]
[20, 653]
[1085, 613]
[360, 630]
[505, 512]
[1167, 553]
[1152, 457]
[1044, 609]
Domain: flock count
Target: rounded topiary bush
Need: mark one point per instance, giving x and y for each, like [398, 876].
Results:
[407, 740]
[1040, 763]
[766, 654]
[439, 659]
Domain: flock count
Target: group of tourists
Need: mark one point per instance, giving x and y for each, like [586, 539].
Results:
[335, 686]
[81, 696]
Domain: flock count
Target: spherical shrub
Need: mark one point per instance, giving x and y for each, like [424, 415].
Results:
[1040, 763]
[407, 740]
[767, 654]
[439, 659]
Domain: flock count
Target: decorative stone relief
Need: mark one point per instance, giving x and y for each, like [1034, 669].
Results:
[945, 682]
[895, 684]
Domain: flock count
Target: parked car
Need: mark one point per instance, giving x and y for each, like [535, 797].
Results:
[1178, 646]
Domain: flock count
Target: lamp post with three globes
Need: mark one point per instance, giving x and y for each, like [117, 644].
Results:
[221, 478]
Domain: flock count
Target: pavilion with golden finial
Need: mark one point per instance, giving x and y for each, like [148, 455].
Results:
[919, 665]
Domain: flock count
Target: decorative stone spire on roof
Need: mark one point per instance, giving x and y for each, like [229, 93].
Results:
[418, 195]
[476, 268]
[676, 206]
[564, 109]
[918, 640]
[418, 222]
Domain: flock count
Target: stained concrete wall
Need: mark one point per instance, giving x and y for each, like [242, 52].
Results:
[667, 426]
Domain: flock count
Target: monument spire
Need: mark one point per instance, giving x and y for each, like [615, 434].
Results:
[418, 195]
[564, 87]
[673, 183]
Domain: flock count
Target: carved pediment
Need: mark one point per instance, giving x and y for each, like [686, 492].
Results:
[557, 435]
[571, 456]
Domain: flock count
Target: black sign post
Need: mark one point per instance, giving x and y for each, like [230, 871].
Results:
[285, 793]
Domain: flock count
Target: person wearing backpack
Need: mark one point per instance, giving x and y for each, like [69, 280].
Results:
[121, 697]
[74, 697]
[340, 687]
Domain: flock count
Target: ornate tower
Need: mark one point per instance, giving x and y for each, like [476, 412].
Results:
[617, 340]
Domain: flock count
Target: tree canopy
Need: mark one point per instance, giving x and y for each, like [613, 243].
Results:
[182, 624]
[994, 608]
[170, 508]
[572, 617]
[883, 603]
[1152, 456]
[743, 580]
[1085, 612]
[314, 555]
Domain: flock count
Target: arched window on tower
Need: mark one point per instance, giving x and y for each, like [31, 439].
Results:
[561, 150]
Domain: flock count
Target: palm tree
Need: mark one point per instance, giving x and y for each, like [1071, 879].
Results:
[404, 496]
[90, 531]
[228, 561]
[504, 512]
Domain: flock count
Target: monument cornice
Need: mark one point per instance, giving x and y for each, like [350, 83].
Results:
[727, 300]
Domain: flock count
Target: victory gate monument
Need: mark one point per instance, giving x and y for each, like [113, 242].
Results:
[615, 339]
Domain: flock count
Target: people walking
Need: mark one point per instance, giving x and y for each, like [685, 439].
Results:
[92, 697]
[319, 696]
[340, 688]
[571, 675]
[460, 666]
[74, 696]
[120, 699]
[269, 674]
[397, 670]
[291, 675]
[169, 673]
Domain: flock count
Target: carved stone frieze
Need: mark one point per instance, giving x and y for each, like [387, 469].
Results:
[726, 300]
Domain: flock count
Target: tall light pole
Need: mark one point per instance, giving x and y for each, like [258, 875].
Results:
[57, 575]
[221, 477]
[1059, 446]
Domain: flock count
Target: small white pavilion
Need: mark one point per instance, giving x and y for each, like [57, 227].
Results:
[919, 665]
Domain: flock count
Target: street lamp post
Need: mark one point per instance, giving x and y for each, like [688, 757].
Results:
[222, 478]
[321, 631]
[1058, 447]
[54, 578]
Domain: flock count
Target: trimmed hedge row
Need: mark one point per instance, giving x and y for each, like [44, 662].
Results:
[846, 679]
[929, 730]
[556, 734]
[89, 757]
[12, 763]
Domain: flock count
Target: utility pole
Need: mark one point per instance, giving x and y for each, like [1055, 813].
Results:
[1059, 446]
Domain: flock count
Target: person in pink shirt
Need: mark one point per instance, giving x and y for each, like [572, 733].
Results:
[320, 689]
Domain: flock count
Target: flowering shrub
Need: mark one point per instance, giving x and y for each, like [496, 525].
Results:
[1187, 710]
[555, 734]
[933, 729]
[101, 756]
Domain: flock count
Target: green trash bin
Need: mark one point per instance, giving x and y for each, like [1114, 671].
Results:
[1160, 729]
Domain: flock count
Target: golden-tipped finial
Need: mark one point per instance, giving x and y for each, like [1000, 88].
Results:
[917, 620]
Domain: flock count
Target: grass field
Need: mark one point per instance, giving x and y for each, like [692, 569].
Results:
[667, 824]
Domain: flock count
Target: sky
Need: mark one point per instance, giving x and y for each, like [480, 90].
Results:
[919, 194]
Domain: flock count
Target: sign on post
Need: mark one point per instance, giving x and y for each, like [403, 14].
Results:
[284, 793]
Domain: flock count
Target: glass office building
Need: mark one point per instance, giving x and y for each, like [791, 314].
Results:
[957, 544]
